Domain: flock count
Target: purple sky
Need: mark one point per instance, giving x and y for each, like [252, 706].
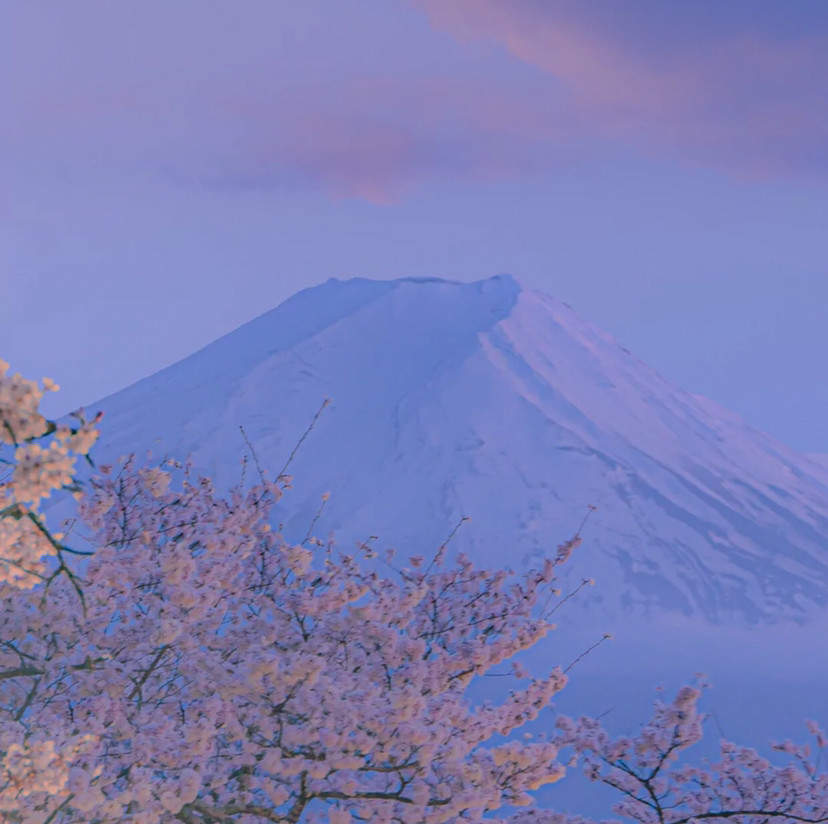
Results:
[172, 168]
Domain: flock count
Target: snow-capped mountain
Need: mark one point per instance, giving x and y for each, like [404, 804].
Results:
[497, 402]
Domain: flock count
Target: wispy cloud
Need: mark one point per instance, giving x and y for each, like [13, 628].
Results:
[371, 100]
[376, 140]
[740, 100]
[253, 98]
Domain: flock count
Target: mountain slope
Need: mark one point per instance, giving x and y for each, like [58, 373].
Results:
[490, 400]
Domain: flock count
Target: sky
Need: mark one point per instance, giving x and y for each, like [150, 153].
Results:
[170, 169]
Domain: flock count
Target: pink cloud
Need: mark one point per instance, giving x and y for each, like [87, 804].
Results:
[206, 103]
[375, 103]
[747, 103]
[377, 140]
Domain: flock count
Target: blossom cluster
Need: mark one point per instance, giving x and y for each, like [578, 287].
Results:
[655, 787]
[40, 456]
[217, 672]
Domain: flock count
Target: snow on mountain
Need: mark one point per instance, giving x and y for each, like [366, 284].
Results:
[494, 401]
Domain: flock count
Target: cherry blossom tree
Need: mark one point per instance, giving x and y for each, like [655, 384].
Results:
[193, 666]
[39, 458]
[655, 788]
[199, 668]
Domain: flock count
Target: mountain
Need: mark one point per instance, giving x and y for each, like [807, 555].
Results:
[497, 402]
[487, 399]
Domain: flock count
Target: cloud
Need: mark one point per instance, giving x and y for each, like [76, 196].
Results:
[370, 100]
[735, 97]
[377, 140]
[361, 107]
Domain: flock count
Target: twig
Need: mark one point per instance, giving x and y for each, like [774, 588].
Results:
[605, 637]
[301, 440]
[442, 548]
[315, 520]
[590, 509]
[585, 582]
[255, 456]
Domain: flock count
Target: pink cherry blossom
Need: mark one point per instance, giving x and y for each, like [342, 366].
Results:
[198, 668]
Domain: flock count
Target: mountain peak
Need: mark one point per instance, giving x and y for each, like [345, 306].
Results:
[490, 400]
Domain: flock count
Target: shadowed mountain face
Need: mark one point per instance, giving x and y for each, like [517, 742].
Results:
[499, 403]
